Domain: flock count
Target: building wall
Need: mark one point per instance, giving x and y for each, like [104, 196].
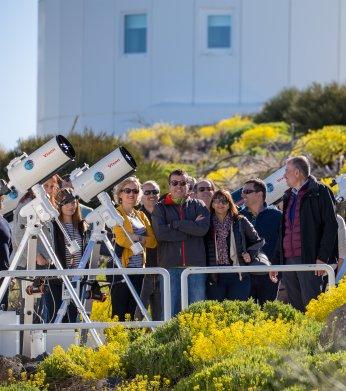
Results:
[83, 70]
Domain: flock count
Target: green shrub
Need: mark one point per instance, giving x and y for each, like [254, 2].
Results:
[317, 106]
[149, 356]
[276, 108]
[278, 309]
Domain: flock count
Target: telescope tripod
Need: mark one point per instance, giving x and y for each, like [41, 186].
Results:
[33, 211]
[98, 236]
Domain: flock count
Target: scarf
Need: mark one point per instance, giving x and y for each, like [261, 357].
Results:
[221, 232]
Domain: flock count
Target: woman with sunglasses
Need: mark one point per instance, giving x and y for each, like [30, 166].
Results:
[127, 194]
[77, 229]
[224, 247]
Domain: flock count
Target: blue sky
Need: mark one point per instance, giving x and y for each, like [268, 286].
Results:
[18, 70]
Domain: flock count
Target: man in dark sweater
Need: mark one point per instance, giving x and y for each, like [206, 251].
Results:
[5, 252]
[308, 232]
[266, 220]
[180, 224]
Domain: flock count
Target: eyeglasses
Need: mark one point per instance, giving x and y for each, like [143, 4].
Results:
[202, 189]
[153, 192]
[176, 183]
[128, 191]
[248, 191]
[222, 201]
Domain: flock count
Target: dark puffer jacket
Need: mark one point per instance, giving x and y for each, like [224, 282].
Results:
[318, 225]
[179, 235]
[239, 224]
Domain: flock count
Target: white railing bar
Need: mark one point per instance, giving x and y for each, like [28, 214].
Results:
[249, 269]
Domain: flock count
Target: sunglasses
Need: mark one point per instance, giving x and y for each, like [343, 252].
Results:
[153, 192]
[176, 183]
[128, 191]
[222, 201]
[249, 191]
[202, 189]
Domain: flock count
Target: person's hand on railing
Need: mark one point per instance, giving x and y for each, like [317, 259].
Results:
[246, 257]
[319, 273]
[274, 277]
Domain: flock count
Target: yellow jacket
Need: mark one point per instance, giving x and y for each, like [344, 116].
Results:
[123, 241]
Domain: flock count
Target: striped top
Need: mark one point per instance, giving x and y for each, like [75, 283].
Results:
[72, 261]
[138, 229]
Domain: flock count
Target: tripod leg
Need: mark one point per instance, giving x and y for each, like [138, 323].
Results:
[127, 280]
[65, 303]
[6, 281]
[69, 286]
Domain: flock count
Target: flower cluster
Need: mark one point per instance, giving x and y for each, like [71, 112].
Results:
[327, 302]
[144, 383]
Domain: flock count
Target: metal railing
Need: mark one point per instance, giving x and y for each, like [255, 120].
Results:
[91, 272]
[249, 269]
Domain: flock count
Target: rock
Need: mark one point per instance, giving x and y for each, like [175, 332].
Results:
[333, 336]
[8, 365]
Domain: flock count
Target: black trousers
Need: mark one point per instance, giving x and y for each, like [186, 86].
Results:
[121, 297]
[151, 295]
[263, 289]
[301, 287]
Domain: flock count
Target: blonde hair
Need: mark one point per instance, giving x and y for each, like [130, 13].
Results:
[120, 186]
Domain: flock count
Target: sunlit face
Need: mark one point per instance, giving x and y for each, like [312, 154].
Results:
[220, 205]
[150, 195]
[204, 191]
[129, 194]
[178, 186]
[51, 187]
[250, 195]
[292, 175]
[70, 208]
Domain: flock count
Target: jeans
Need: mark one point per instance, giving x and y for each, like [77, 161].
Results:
[196, 288]
[228, 286]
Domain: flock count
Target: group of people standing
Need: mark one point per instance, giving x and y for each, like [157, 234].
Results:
[201, 226]
[195, 224]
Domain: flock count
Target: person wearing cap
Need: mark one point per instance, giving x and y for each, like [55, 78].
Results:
[76, 229]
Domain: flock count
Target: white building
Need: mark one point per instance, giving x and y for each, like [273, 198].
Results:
[119, 64]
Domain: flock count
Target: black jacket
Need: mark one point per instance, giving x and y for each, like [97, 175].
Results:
[251, 237]
[318, 225]
[179, 236]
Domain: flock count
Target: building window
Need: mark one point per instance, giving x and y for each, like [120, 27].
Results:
[219, 31]
[135, 33]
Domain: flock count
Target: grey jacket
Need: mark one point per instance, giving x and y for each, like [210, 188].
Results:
[179, 235]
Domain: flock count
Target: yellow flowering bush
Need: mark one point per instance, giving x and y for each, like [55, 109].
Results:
[219, 341]
[325, 145]
[327, 302]
[223, 126]
[144, 383]
[259, 136]
[102, 311]
[223, 175]
[167, 134]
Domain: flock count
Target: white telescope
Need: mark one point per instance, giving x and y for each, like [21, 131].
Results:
[25, 171]
[88, 182]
